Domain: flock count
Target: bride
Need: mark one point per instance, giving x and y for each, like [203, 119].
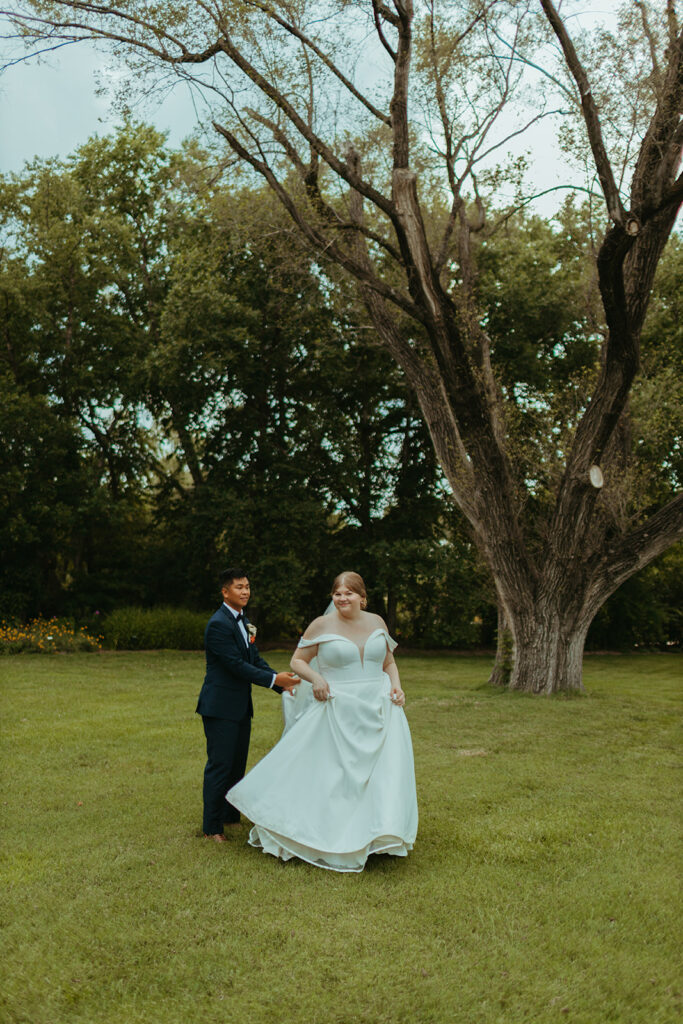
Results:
[340, 783]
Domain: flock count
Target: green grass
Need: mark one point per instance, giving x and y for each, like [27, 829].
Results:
[542, 886]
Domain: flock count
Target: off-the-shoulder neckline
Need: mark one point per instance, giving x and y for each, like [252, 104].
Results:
[340, 636]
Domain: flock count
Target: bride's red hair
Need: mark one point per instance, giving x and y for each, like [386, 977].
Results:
[354, 582]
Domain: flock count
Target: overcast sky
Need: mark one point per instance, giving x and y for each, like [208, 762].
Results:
[51, 108]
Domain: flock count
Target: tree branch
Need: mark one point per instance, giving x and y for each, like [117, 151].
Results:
[645, 21]
[309, 176]
[640, 547]
[399, 100]
[615, 208]
[312, 183]
[329, 64]
[422, 376]
[379, 11]
[103, 11]
[660, 152]
[517, 56]
[318, 240]
[337, 165]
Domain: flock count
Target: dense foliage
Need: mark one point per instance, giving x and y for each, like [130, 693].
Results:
[183, 387]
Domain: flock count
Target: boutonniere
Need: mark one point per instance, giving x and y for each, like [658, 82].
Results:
[251, 630]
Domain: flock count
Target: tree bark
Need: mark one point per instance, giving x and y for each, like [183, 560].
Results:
[548, 651]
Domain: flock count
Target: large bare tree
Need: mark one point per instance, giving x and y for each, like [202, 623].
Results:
[376, 123]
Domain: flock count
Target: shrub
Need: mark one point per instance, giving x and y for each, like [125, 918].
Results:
[154, 629]
[46, 636]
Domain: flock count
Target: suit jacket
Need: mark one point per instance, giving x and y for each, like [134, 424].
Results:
[231, 667]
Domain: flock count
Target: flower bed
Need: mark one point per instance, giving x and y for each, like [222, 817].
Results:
[46, 636]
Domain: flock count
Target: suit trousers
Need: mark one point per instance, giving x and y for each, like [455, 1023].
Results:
[227, 746]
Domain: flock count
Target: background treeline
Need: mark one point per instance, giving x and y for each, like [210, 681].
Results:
[184, 387]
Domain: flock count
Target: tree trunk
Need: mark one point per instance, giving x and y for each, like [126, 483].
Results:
[548, 651]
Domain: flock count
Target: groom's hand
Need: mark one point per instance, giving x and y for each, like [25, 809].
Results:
[287, 680]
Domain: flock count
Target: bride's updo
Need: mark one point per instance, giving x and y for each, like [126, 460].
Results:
[354, 582]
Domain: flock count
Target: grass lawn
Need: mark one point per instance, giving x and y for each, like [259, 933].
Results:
[542, 887]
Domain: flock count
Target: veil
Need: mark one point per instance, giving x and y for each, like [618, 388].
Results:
[294, 705]
[328, 611]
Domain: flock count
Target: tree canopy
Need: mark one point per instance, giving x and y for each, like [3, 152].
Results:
[208, 394]
[387, 170]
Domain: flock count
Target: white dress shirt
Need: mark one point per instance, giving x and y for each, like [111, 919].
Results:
[243, 629]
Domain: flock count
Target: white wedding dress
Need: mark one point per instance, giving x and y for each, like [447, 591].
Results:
[340, 783]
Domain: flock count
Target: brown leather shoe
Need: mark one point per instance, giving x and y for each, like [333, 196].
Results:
[217, 838]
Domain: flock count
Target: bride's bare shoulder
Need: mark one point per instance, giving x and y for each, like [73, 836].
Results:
[315, 628]
[376, 621]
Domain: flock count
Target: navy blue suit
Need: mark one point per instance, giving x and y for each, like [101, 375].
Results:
[225, 705]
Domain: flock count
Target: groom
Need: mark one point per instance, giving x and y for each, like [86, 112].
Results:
[232, 664]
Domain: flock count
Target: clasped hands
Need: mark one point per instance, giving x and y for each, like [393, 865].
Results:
[287, 680]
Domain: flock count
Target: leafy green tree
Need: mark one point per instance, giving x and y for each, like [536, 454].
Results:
[292, 448]
[288, 103]
[186, 385]
[76, 449]
[204, 372]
